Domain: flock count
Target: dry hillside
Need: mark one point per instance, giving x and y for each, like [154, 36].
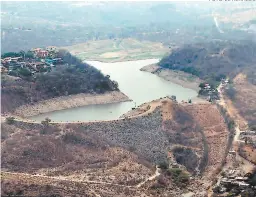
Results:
[116, 158]
[219, 59]
[245, 97]
[213, 60]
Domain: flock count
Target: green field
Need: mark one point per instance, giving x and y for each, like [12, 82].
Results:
[118, 50]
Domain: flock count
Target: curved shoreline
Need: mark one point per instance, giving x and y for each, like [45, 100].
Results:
[178, 77]
[71, 101]
[79, 100]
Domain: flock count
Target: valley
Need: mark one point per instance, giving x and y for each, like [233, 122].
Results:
[132, 82]
[161, 143]
[136, 99]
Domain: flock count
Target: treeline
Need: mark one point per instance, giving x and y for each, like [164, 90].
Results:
[74, 77]
[11, 54]
[28, 54]
[188, 69]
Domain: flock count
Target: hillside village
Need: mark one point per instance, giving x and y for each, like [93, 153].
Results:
[210, 92]
[28, 63]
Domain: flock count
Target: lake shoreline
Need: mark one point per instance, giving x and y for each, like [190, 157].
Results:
[137, 89]
[71, 101]
[178, 77]
[118, 61]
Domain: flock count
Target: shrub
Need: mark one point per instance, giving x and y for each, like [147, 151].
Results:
[156, 186]
[231, 92]
[163, 165]
[46, 122]
[178, 175]
[162, 180]
[76, 139]
[24, 72]
[174, 172]
[10, 120]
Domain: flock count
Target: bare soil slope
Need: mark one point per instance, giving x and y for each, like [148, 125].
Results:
[111, 158]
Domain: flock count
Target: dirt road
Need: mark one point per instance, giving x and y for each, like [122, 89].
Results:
[245, 164]
[157, 173]
[61, 178]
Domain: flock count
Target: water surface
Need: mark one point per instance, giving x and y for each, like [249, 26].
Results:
[140, 86]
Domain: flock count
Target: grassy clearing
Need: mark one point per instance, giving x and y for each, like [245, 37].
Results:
[118, 50]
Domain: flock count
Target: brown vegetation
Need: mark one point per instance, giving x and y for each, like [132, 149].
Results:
[245, 98]
[119, 153]
[248, 152]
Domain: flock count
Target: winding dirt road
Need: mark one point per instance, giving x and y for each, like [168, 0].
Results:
[246, 165]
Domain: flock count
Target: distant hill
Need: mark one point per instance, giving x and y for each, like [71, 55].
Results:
[27, 24]
[213, 60]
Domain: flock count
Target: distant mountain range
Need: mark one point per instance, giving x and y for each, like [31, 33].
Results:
[26, 24]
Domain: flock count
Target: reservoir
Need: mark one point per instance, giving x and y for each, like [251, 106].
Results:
[138, 85]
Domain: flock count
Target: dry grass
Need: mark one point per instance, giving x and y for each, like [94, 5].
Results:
[248, 152]
[245, 100]
[110, 158]
[118, 50]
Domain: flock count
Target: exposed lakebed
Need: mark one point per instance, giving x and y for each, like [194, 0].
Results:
[138, 85]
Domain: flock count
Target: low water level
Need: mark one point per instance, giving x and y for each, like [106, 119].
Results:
[139, 86]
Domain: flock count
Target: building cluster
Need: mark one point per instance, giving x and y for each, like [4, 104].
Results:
[233, 182]
[249, 137]
[208, 91]
[36, 60]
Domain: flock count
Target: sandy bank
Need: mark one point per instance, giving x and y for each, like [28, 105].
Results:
[184, 79]
[66, 102]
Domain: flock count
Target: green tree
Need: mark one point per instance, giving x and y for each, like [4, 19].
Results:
[173, 97]
[22, 54]
[10, 54]
[163, 165]
[24, 72]
[10, 120]
[201, 85]
[13, 73]
[29, 54]
[46, 122]
[178, 175]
